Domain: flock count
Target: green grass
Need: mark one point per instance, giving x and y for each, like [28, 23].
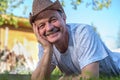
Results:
[55, 76]
[110, 78]
[14, 77]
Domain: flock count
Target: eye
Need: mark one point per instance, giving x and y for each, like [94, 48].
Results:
[53, 20]
[41, 26]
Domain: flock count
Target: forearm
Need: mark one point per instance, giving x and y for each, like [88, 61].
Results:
[43, 69]
[78, 77]
[89, 72]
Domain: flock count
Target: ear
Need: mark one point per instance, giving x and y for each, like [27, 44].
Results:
[64, 16]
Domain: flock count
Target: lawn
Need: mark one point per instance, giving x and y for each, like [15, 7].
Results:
[14, 77]
[55, 76]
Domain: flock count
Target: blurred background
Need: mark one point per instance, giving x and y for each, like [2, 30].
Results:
[18, 44]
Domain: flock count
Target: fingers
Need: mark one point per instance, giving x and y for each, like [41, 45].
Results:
[40, 38]
[35, 29]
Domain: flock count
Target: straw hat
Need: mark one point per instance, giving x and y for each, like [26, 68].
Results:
[42, 5]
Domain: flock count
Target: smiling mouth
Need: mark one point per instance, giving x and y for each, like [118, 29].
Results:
[54, 30]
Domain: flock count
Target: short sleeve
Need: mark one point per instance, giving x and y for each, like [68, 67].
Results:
[91, 48]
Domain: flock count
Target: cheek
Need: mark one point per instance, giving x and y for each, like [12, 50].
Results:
[42, 32]
[62, 27]
[59, 25]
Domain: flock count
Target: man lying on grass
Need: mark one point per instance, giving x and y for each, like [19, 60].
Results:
[75, 48]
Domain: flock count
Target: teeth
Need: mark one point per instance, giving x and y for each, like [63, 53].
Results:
[55, 30]
[52, 31]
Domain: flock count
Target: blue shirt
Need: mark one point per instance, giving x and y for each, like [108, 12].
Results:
[85, 47]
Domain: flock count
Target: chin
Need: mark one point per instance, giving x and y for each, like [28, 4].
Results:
[54, 39]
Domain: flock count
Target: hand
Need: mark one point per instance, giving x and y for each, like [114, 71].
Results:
[41, 40]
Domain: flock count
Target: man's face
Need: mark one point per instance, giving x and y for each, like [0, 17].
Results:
[51, 26]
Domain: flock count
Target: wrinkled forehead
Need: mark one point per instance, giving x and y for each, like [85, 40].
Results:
[46, 14]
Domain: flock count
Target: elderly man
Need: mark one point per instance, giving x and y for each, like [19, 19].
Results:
[75, 48]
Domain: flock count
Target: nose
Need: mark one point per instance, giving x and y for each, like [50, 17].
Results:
[49, 26]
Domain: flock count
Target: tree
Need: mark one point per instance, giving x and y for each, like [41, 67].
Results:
[96, 4]
[7, 7]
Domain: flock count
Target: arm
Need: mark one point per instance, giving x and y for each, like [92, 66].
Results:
[88, 72]
[91, 71]
[43, 69]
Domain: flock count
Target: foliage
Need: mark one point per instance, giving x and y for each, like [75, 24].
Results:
[99, 4]
[7, 7]
[9, 20]
[96, 4]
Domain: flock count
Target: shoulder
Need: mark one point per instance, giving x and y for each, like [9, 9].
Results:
[80, 29]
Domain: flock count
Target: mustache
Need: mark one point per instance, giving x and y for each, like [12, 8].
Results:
[53, 30]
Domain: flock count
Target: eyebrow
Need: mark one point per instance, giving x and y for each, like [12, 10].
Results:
[52, 17]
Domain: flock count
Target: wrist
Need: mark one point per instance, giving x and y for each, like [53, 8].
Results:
[48, 49]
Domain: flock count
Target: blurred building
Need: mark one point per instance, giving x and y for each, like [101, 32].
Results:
[19, 39]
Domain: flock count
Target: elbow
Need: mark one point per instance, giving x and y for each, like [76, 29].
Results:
[33, 77]
[36, 76]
